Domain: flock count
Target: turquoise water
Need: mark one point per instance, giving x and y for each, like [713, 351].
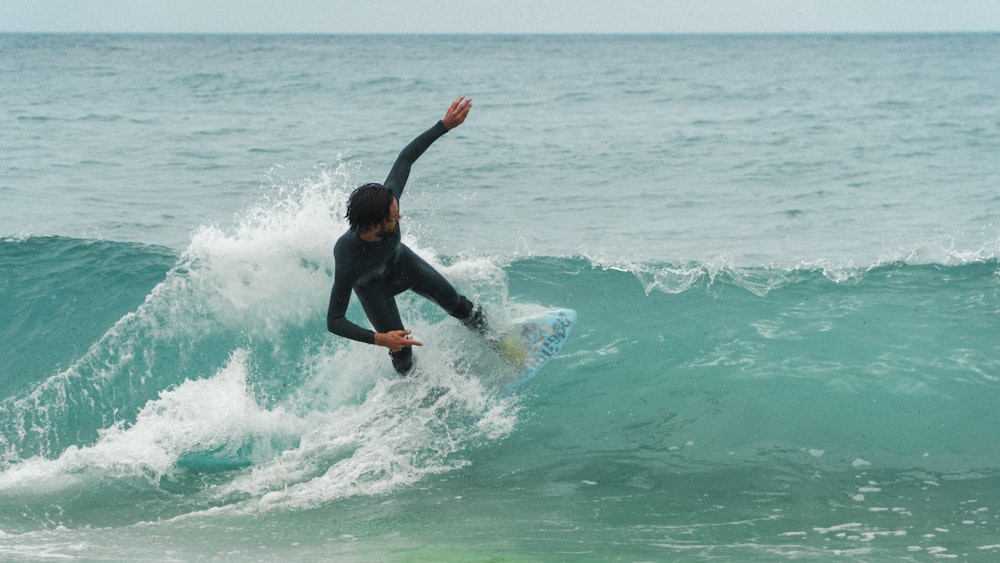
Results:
[783, 252]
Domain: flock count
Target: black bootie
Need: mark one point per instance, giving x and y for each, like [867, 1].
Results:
[402, 361]
[473, 317]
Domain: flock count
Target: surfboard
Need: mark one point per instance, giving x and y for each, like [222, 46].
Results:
[531, 342]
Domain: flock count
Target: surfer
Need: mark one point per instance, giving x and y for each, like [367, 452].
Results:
[371, 260]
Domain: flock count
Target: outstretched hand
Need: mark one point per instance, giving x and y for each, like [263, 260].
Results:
[455, 115]
[395, 340]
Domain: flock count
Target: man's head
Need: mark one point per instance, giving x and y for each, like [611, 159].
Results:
[371, 207]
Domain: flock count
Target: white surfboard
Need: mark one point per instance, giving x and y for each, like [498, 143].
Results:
[530, 343]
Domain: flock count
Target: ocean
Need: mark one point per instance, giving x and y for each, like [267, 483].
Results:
[784, 251]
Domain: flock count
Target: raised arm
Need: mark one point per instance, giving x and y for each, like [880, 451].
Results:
[400, 173]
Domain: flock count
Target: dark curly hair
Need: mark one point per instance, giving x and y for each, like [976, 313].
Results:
[368, 207]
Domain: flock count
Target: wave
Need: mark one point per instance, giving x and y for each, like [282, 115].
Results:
[211, 373]
[59, 295]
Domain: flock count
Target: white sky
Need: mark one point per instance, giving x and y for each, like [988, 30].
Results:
[499, 16]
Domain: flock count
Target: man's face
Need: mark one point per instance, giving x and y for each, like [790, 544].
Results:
[391, 223]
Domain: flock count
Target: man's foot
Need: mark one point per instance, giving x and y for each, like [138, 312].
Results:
[403, 361]
[476, 321]
[472, 316]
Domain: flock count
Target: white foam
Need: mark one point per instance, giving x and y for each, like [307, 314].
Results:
[391, 439]
[217, 414]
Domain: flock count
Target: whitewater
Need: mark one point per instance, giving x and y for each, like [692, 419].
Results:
[784, 252]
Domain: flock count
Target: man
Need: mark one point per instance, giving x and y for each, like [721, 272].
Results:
[371, 260]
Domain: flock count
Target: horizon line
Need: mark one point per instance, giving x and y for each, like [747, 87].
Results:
[502, 33]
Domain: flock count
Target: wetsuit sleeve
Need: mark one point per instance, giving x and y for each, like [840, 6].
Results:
[336, 315]
[400, 172]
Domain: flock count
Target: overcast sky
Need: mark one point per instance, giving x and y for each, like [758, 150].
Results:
[499, 16]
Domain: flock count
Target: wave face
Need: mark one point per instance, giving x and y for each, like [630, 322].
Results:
[217, 395]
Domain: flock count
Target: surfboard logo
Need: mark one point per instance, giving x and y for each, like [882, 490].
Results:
[549, 339]
[532, 342]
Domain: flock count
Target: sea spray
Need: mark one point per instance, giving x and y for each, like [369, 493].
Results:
[227, 367]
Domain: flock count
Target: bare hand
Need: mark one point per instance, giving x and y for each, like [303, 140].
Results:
[455, 115]
[395, 340]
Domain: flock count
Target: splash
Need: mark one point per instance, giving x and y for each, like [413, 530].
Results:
[226, 368]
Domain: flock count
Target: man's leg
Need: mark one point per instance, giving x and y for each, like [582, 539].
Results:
[380, 306]
[429, 283]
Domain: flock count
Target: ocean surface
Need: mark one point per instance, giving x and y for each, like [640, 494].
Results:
[784, 252]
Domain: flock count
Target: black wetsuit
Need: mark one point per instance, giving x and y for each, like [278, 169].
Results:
[378, 271]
